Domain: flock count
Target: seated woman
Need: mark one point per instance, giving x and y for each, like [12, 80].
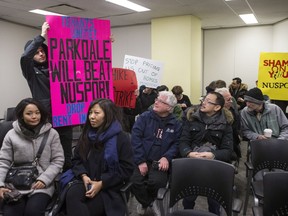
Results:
[182, 99]
[103, 160]
[21, 145]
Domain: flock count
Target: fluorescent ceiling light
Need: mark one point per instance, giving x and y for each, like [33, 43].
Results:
[248, 18]
[130, 5]
[43, 12]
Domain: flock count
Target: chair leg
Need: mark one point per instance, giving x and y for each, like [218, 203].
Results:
[125, 192]
[249, 179]
[248, 155]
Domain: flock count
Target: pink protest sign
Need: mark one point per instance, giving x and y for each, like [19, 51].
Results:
[79, 54]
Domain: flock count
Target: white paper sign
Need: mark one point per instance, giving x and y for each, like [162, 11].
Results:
[148, 72]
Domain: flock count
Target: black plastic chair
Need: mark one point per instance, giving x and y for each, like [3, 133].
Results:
[200, 177]
[267, 155]
[5, 126]
[276, 195]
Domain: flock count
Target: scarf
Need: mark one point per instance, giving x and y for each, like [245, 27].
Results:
[109, 139]
[31, 132]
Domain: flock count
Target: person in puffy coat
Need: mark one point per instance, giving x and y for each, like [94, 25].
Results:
[207, 134]
[21, 145]
[155, 136]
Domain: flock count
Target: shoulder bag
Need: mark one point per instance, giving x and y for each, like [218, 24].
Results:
[23, 176]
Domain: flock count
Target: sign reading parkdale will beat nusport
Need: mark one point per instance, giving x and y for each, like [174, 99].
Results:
[80, 66]
[273, 75]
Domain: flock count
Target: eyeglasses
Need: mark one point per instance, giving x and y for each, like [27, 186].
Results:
[161, 101]
[209, 102]
[229, 100]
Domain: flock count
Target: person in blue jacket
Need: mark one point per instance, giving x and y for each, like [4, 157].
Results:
[155, 137]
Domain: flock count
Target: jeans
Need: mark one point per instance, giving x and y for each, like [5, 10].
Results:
[145, 188]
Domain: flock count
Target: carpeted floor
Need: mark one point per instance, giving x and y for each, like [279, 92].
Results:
[201, 203]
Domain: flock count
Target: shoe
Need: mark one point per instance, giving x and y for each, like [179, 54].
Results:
[155, 209]
[140, 209]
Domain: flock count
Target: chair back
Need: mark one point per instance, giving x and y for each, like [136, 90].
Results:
[276, 194]
[202, 177]
[5, 126]
[10, 114]
[269, 154]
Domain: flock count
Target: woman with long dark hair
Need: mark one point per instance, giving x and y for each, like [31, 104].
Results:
[20, 147]
[103, 160]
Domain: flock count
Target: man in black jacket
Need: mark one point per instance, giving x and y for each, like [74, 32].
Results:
[207, 134]
[34, 65]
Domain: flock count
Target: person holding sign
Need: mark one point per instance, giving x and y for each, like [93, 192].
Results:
[155, 137]
[103, 161]
[34, 65]
[147, 98]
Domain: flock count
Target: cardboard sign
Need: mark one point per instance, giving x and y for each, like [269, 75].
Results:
[273, 75]
[79, 65]
[125, 84]
[148, 72]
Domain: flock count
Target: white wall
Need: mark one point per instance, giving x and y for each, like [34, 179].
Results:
[13, 86]
[235, 52]
[133, 40]
[280, 37]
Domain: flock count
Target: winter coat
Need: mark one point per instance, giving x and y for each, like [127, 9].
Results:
[112, 182]
[36, 75]
[218, 133]
[239, 93]
[161, 134]
[25, 149]
[272, 117]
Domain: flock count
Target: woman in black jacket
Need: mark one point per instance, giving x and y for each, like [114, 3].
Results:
[103, 160]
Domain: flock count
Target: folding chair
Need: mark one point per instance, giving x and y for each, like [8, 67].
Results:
[267, 155]
[200, 177]
[276, 195]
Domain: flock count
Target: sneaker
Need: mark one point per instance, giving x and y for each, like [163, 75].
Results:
[155, 209]
[140, 209]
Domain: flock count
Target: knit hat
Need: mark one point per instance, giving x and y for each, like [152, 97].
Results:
[254, 95]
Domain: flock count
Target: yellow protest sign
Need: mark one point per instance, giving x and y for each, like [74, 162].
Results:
[273, 75]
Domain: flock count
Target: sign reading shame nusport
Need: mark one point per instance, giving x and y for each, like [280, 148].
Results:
[273, 75]
[79, 54]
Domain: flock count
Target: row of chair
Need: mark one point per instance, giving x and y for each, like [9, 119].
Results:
[267, 178]
[267, 162]
[266, 156]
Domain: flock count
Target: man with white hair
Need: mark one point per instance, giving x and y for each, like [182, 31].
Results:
[231, 105]
[155, 136]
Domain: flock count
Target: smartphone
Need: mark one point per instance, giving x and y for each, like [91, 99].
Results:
[89, 186]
